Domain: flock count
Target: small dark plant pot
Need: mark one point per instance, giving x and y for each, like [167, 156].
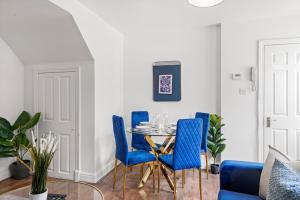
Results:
[18, 171]
[215, 168]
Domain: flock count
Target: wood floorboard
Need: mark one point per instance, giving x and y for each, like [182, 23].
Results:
[189, 192]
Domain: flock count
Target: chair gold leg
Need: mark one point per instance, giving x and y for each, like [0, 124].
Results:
[124, 181]
[130, 168]
[174, 185]
[200, 183]
[115, 174]
[141, 171]
[206, 160]
[153, 174]
[183, 178]
[158, 178]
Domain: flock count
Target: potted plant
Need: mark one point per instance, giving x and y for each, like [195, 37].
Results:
[215, 140]
[13, 139]
[41, 152]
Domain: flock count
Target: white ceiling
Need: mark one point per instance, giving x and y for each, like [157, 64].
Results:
[40, 32]
[133, 15]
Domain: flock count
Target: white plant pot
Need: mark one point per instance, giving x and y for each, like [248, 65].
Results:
[42, 196]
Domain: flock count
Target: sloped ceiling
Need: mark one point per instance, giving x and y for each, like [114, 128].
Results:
[40, 32]
[137, 15]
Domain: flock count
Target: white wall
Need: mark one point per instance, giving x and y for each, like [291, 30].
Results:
[12, 93]
[197, 48]
[239, 52]
[109, 98]
[106, 46]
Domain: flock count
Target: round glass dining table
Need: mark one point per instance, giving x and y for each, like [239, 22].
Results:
[166, 147]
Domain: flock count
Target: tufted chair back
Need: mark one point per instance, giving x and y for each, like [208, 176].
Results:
[187, 146]
[139, 140]
[205, 127]
[120, 138]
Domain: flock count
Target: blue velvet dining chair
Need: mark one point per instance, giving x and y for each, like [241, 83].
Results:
[205, 127]
[138, 141]
[186, 150]
[127, 158]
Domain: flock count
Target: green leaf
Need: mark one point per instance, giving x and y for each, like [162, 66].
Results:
[21, 139]
[209, 138]
[23, 119]
[33, 121]
[221, 148]
[218, 137]
[5, 124]
[210, 145]
[221, 140]
[5, 129]
[6, 133]
[6, 149]
[6, 154]
[7, 143]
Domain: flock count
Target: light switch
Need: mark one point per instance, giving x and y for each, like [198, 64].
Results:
[236, 76]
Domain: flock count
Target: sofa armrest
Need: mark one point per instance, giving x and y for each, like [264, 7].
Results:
[239, 176]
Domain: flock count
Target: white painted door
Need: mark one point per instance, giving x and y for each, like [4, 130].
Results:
[56, 99]
[282, 99]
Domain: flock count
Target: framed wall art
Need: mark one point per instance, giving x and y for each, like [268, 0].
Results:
[167, 81]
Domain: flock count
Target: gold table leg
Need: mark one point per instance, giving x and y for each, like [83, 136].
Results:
[164, 149]
[146, 175]
[151, 170]
[168, 178]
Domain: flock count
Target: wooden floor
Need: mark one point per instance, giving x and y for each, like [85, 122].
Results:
[189, 192]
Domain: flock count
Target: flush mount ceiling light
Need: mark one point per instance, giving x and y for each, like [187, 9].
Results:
[205, 3]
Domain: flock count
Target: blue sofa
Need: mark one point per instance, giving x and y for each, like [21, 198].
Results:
[239, 180]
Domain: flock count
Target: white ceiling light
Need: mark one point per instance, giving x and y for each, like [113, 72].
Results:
[204, 3]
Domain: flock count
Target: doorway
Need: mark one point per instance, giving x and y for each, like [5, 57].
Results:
[279, 97]
[56, 97]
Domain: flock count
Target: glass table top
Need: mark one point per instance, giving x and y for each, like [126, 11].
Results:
[153, 131]
[71, 189]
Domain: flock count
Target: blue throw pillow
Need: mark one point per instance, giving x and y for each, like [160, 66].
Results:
[284, 183]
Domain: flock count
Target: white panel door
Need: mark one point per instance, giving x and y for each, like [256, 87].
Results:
[282, 99]
[56, 99]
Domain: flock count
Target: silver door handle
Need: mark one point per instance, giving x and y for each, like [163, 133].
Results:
[269, 120]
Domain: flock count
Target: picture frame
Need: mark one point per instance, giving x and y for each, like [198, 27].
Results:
[167, 81]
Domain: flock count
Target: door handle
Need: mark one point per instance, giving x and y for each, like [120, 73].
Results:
[269, 120]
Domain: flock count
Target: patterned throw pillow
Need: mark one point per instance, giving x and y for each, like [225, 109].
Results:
[284, 183]
[266, 172]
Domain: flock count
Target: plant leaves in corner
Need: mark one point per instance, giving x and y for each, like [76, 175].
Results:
[22, 120]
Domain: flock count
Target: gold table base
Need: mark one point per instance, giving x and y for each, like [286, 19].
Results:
[164, 149]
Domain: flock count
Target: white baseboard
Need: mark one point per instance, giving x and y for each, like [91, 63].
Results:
[100, 174]
[87, 177]
[94, 178]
